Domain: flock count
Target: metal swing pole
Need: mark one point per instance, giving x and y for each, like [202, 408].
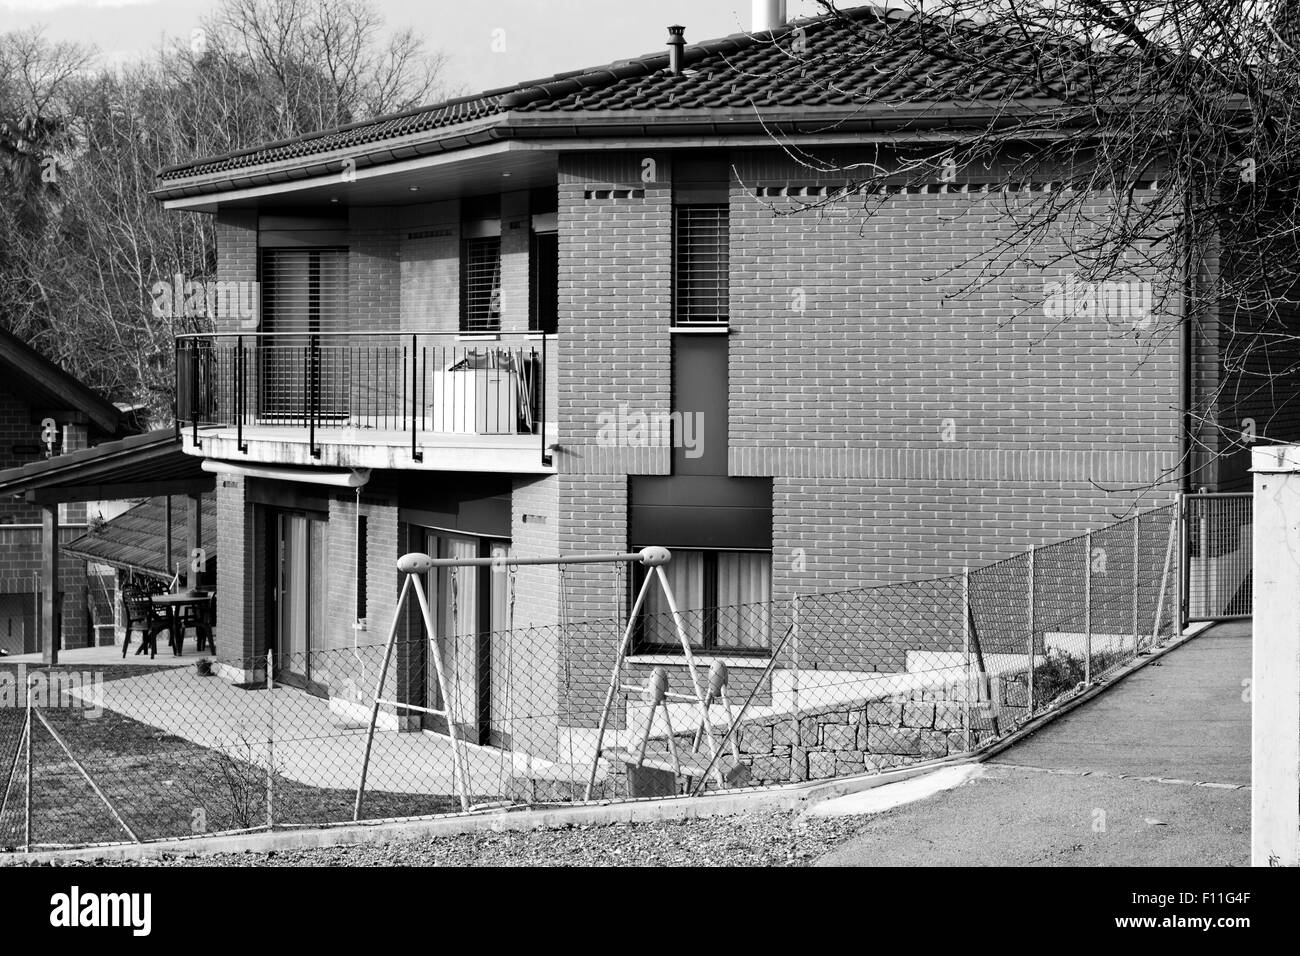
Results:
[457, 770]
[613, 682]
[690, 664]
[379, 691]
[27, 795]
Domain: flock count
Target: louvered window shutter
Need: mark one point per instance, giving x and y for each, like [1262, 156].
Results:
[480, 284]
[700, 263]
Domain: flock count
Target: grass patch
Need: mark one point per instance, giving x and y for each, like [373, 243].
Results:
[1061, 672]
[163, 785]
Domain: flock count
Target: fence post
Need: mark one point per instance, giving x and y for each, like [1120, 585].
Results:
[794, 710]
[27, 796]
[1137, 531]
[270, 741]
[1180, 582]
[965, 629]
[40, 617]
[1029, 671]
[1087, 608]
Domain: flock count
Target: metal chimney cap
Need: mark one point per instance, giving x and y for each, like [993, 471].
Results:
[676, 49]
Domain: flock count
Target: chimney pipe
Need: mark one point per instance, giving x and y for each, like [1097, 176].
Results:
[768, 15]
[676, 48]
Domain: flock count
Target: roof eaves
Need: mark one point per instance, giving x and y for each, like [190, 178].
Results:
[46, 471]
[50, 377]
[473, 133]
[646, 122]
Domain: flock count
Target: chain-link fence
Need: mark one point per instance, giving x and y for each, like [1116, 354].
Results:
[815, 687]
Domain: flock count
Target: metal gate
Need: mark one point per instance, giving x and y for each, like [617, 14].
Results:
[1215, 565]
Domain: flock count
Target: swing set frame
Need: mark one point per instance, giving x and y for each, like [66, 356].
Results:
[417, 564]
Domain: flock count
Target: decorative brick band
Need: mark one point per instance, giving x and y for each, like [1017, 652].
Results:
[592, 459]
[980, 464]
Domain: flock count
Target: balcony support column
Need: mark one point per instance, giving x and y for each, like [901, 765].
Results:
[51, 621]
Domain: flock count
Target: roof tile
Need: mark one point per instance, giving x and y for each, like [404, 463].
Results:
[737, 72]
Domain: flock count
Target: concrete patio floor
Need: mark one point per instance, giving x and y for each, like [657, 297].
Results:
[312, 744]
[1155, 771]
[109, 655]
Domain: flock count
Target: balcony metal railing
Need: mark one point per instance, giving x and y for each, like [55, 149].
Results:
[336, 384]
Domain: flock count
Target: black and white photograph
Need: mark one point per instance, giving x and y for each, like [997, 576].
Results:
[469, 438]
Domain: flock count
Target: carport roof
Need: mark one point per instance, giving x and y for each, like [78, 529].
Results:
[132, 540]
[139, 466]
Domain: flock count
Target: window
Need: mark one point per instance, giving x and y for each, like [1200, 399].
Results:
[701, 290]
[480, 284]
[543, 282]
[724, 599]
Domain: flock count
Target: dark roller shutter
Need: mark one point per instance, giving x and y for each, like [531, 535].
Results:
[304, 294]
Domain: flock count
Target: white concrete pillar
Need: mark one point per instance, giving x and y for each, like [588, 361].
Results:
[1275, 667]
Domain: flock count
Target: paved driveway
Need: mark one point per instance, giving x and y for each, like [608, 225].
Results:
[1155, 771]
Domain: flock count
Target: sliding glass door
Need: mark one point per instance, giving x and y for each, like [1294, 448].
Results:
[299, 607]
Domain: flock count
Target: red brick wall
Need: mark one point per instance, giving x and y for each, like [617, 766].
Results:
[374, 270]
[241, 570]
[18, 432]
[236, 232]
[20, 532]
[20, 565]
[614, 299]
[915, 418]
[842, 393]
[430, 267]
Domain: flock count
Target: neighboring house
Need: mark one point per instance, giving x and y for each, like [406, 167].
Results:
[168, 536]
[148, 543]
[44, 412]
[563, 317]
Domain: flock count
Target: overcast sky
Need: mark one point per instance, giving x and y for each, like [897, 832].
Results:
[541, 37]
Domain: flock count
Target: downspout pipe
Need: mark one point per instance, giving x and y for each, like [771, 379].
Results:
[1186, 357]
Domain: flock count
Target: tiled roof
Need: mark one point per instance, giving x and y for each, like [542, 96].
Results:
[134, 539]
[739, 72]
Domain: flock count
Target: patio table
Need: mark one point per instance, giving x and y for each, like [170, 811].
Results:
[173, 605]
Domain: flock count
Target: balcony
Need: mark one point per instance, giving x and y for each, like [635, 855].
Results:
[430, 401]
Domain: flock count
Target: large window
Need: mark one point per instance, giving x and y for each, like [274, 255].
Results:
[724, 599]
[480, 284]
[701, 290]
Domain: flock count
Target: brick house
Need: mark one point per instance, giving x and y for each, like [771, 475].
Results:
[586, 314]
[44, 411]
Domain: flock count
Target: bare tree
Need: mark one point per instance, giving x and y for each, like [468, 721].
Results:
[327, 62]
[81, 241]
[1130, 141]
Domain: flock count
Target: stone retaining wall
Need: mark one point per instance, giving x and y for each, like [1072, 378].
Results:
[861, 736]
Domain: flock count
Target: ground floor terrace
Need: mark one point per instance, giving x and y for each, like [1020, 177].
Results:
[880, 614]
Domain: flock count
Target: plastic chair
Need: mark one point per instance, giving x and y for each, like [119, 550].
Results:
[143, 616]
[202, 617]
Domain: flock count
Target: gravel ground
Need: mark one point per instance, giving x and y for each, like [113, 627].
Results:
[770, 838]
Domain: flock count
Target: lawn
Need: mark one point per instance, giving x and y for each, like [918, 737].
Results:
[163, 785]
